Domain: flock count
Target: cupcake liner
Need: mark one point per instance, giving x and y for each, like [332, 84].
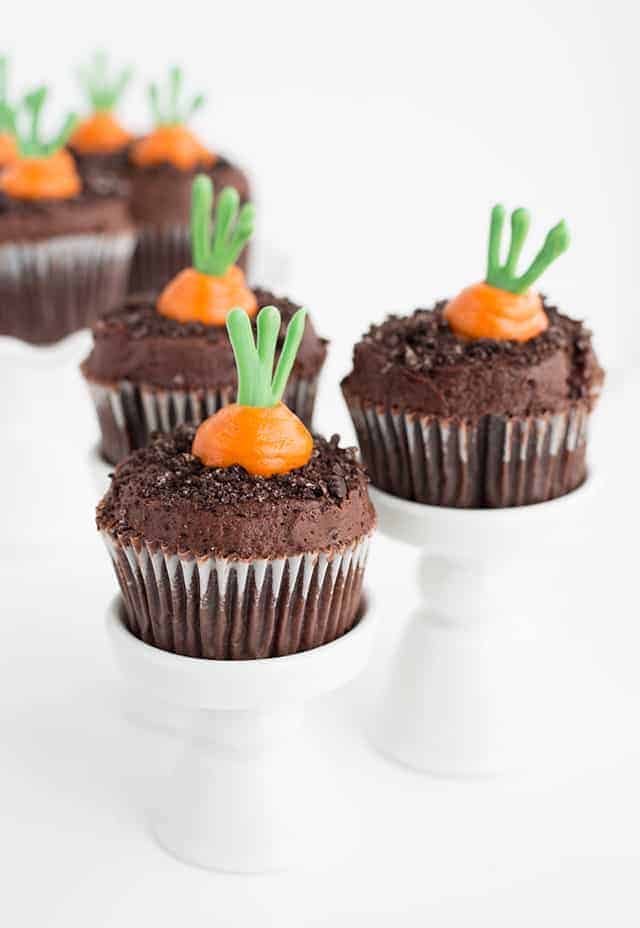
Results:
[225, 609]
[161, 253]
[129, 413]
[51, 288]
[494, 461]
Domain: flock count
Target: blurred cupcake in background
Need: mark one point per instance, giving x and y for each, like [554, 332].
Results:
[99, 142]
[245, 538]
[163, 360]
[65, 250]
[484, 400]
[163, 165]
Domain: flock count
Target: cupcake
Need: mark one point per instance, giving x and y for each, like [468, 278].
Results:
[64, 250]
[162, 168]
[99, 142]
[484, 400]
[244, 538]
[163, 361]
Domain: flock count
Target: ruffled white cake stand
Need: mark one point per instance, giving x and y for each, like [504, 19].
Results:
[237, 799]
[460, 694]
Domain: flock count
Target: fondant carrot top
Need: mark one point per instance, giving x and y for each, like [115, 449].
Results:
[8, 146]
[43, 169]
[503, 306]
[258, 432]
[171, 141]
[214, 284]
[101, 132]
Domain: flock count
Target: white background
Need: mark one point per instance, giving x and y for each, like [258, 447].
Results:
[377, 136]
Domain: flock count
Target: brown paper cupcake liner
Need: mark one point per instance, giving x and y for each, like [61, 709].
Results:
[129, 413]
[161, 253]
[494, 461]
[51, 288]
[224, 609]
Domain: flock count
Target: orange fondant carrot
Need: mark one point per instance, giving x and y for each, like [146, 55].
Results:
[171, 141]
[53, 177]
[265, 440]
[43, 170]
[214, 285]
[101, 133]
[258, 432]
[503, 306]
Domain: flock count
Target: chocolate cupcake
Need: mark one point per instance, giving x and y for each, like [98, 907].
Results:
[65, 250]
[161, 362]
[482, 401]
[99, 143]
[246, 538]
[162, 168]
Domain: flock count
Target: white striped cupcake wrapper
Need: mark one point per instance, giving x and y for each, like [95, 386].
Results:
[129, 413]
[223, 609]
[161, 253]
[495, 461]
[53, 287]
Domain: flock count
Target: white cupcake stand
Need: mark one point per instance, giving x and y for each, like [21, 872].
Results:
[234, 801]
[461, 696]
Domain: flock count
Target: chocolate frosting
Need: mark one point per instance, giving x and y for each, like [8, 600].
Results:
[161, 194]
[164, 495]
[104, 172]
[134, 342]
[417, 363]
[88, 213]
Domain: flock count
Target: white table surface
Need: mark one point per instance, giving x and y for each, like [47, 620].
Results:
[557, 845]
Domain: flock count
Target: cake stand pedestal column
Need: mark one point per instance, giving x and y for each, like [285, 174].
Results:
[240, 797]
[460, 695]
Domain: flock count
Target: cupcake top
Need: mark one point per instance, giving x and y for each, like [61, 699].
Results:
[100, 132]
[418, 363]
[163, 164]
[165, 495]
[41, 192]
[178, 338]
[134, 342]
[171, 141]
[497, 348]
[250, 482]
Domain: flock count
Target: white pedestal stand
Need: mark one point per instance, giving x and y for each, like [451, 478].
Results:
[237, 798]
[45, 413]
[460, 698]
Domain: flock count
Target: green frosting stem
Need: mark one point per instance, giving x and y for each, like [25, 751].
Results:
[213, 254]
[504, 277]
[7, 113]
[102, 91]
[257, 384]
[170, 111]
[30, 143]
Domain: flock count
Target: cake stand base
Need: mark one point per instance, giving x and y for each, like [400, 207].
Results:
[235, 800]
[460, 697]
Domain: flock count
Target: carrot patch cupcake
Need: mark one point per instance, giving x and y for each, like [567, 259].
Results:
[165, 360]
[99, 142]
[244, 538]
[163, 166]
[484, 400]
[64, 251]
